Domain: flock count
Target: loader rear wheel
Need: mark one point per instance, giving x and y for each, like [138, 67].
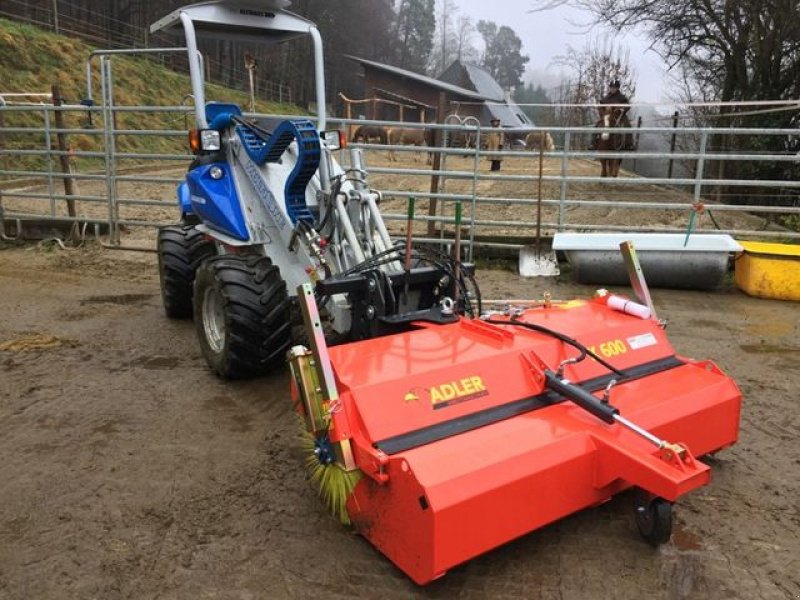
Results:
[181, 248]
[654, 520]
[242, 310]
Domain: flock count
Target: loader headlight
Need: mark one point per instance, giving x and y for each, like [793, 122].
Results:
[335, 139]
[204, 140]
[216, 172]
[210, 140]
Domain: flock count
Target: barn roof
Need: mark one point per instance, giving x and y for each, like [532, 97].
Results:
[484, 83]
[423, 79]
[497, 106]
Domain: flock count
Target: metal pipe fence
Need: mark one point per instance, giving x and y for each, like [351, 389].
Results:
[684, 193]
[127, 160]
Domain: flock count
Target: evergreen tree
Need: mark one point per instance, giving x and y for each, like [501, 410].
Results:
[503, 56]
[414, 29]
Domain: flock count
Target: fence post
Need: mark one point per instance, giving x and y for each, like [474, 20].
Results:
[110, 150]
[436, 164]
[48, 142]
[55, 16]
[701, 160]
[636, 141]
[672, 143]
[349, 115]
[2, 133]
[251, 64]
[564, 170]
[63, 147]
[723, 149]
[2, 167]
[475, 170]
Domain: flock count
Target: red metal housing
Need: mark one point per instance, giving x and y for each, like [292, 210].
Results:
[463, 449]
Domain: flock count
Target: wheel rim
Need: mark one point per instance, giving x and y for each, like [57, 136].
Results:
[654, 521]
[645, 519]
[214, 318]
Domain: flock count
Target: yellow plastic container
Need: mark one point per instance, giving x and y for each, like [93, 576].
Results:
[769, 270]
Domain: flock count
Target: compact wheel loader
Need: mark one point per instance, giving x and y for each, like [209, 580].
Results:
[436, 429]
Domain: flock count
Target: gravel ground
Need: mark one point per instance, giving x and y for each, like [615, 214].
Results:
[130, 471]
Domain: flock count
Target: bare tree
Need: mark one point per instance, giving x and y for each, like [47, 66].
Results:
[465, 34]
[595, 65]
[737, 49]
[453, 40]
[590, 69]
[728, 50]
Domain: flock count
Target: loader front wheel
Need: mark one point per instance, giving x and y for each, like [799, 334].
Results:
[654, 521]
[181, 248]
[242, 315]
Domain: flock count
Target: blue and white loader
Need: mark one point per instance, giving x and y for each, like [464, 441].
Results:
[265, 208]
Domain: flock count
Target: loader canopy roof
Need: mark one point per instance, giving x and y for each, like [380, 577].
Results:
[240, 20]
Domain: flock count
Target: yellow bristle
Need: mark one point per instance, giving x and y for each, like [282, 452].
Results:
[333, 483]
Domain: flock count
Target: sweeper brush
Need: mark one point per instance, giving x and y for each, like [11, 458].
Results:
[456, 438]
[333, 483]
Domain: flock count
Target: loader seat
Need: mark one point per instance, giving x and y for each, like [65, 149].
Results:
[219, 114]
[268, 123]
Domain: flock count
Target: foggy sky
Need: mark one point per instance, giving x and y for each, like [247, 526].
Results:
[546, 35]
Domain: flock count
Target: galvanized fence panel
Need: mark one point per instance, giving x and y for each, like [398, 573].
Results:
[684, 192]
[125, 176]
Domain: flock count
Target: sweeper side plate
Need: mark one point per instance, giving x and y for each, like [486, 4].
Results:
[464, 449]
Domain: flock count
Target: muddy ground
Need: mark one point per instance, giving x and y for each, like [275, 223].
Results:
[129, 471]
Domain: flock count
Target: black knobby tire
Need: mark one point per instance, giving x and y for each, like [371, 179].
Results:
[654, 521]
[242, 313]
[181, 249]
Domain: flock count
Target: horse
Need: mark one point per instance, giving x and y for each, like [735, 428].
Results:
[407, 136]
[370, 133]
[533, 141]
[608, 141]
[461, 139]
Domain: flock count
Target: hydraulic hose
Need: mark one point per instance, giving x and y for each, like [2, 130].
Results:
[584, 351]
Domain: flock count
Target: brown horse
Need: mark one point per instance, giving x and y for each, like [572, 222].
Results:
[533, 141]
[370, 133]
[407, 136]
[609, 141]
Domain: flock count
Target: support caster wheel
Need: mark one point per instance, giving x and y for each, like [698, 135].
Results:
[653, 519]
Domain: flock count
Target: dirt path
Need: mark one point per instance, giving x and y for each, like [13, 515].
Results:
[129, 471]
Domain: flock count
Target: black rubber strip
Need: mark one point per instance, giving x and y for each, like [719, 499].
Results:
[440, 431]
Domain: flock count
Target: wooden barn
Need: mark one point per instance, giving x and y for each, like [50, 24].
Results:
[411, 96]
[463, 89]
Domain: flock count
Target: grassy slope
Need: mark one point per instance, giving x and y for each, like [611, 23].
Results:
[32, 60]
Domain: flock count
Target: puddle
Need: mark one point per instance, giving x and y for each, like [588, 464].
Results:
[108, 428]
[704, 323]
[242, 423]
[124, 299]
[219, 402]
[768, 349]
[76, 315]
[156, 363]
[683, 539]
[769, 328]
